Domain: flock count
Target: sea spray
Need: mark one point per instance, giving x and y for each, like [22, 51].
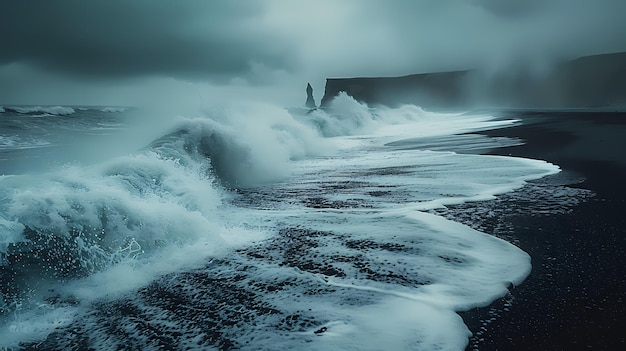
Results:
[251, 143]
[246, 226]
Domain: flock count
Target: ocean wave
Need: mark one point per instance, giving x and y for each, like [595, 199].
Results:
[79, 220]
[260, 228]
[348, 117]
[113, 109]
[246, 145]
[52, 110]
[16, 142]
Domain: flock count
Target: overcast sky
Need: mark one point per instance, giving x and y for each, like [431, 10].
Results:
[119, 51]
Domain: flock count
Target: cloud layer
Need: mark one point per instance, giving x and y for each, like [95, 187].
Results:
[269, 42]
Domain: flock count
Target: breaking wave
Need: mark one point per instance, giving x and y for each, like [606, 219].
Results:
[251, 227]
[50, 110]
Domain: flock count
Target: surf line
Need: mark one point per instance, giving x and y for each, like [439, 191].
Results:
[430, 302]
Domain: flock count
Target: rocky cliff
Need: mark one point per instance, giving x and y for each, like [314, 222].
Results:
[590, 81]
[310, 101]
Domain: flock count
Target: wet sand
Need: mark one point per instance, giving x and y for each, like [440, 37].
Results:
[574, 297]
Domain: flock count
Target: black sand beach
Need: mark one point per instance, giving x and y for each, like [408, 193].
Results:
[574, 297]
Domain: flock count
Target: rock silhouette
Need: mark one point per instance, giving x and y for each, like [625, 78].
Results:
[310, 101]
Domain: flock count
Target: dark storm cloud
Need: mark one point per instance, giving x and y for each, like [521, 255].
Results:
[220, 40]
[60, 48]
[121, 38]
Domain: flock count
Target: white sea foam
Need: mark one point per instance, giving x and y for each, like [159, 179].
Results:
[121, 224]
[253, 143]
[346, 117]
[52, 110]
[323, 245]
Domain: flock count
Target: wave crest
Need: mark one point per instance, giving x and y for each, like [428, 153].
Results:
[78, 221]
[52, 110]
[246, 145]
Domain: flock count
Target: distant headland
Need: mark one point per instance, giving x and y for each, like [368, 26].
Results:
[597, 81]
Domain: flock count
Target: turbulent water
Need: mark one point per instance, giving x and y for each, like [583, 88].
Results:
[249, 227]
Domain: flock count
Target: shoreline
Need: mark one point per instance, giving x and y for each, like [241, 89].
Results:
[572, 298]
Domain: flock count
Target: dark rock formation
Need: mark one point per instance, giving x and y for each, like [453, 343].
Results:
[436, 88]
[310, 102]
[590, 81]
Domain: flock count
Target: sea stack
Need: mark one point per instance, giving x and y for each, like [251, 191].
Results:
[310, 102]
